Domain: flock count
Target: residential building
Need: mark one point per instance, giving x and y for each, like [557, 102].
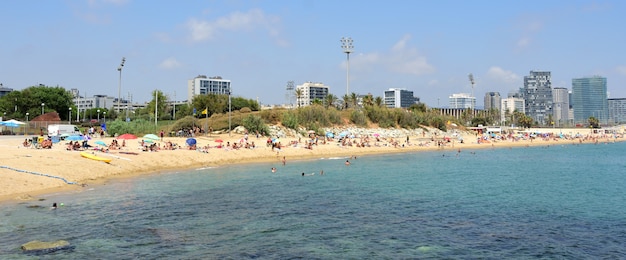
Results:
[617, 110]
[510, 105]
[462, 100]
[399, 98]
[492, 101]
[560, 106]
[537, 94]
[203, 85]
[311, 91]
[589, 99]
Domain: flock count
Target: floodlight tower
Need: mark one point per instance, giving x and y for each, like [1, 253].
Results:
[346, 45]
[289, 94]
[119, 88]
[471, 79]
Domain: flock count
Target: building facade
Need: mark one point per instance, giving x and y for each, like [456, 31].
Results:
[560, 106]
[589, 98]
[617, 110]
[203, 85]
[310, 91]
[462, 100]
[4, 91]
[510, 105]
[399, 98]
[493, 101]
[537, 94]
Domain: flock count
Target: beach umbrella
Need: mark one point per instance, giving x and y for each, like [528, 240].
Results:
[376, 135]
[330, 135]
[191, 141]
[101, 143]
[64, 135]
[9, 124]
[127, 137]
[74, 138]
[219, 140]
[15, 122]
[151, 137]
[344, 133]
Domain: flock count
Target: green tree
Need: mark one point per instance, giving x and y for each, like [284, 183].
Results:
[594, 122]
[160, 101]
[378, 101]
[346, 101]
[368, 100]
[419, 107]
[355, 99]
[29, 100]
[329, 100]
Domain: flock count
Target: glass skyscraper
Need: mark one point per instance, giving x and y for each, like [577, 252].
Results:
[589, 99]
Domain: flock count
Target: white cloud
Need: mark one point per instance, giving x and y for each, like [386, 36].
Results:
[502, 76]
[201, 30]
[400, 59]
[529, 29]
[170, 63]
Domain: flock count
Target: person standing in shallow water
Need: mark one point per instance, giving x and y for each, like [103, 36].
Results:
[347, 163]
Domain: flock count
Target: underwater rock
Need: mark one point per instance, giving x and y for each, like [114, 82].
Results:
[39, 247]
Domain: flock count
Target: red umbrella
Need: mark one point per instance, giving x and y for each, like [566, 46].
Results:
[127, 136]
[219, 140]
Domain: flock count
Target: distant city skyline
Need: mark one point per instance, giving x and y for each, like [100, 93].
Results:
[260, 46]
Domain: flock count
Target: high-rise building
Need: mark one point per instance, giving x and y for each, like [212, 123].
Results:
[4, 91]
[493, 101]
[397, 97]
[589, 99]
[617, 110]
[202, 85]
[311, 91]
[462, 100]
[560, 106]
[537, 94]
[510, 105]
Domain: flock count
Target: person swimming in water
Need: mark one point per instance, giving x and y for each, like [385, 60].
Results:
[347, 162]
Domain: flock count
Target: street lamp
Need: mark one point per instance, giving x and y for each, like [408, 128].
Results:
[69, 119]
[105, 117]
[42, 105]
[119, 88]
[27, 124]
[27, 116]
[98, 116]
[346, 45]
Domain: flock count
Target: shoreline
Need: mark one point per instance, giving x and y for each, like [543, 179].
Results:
[19, 186]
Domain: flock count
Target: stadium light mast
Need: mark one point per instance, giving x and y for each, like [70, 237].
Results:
[119, 88]
[346, 45]
[471, 79]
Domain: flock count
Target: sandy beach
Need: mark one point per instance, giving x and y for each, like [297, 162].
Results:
[22, 167]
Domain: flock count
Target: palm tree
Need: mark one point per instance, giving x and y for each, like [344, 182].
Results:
[330, 100]
[298, 96]
[355, 99]
[378, 101]
[346, 101]
[368, 100]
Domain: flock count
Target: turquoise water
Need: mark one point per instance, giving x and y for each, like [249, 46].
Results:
[539, 202]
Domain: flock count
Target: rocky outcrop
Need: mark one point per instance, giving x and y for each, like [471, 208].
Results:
[39, 247]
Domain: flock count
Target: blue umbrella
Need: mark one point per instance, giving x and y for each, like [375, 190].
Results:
[330, 135]
[74, 138]
[101, 143]
[191, 141]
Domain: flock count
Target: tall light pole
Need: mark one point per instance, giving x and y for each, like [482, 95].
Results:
[69, 119]
[98, 116]
[27, 124]
[228, 112]
[42, 105]
[471, 79]
[346, 45]
[105, 116]
[119, 88]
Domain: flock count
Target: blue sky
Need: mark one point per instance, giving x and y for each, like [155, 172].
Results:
[428, 47]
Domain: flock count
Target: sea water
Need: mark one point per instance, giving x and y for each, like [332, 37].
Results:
[560, 201]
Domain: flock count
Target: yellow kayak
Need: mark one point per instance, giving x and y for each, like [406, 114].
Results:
[95, 157]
